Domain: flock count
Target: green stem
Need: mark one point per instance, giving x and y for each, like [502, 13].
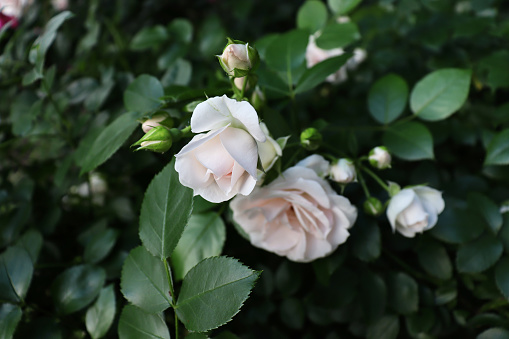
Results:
[173, 296]
[376, 178]
[363, 184]
[244, 85]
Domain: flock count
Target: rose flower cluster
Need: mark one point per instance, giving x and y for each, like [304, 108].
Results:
[298, 215]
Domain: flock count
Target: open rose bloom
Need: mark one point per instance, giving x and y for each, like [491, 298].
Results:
[222, 162]
[297, 215]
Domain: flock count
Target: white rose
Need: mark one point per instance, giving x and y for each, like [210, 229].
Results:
[317, 163]
[270, 150]
[14, 8]
[59, 5]
[343, 171]
[380, 158]
[221, 163]
[415, 210]
[153, 122]
[298, 215]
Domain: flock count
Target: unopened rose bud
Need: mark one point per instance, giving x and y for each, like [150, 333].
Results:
[239, 83]
[238, 58]
[380, 157]
[157, 119]
[310, 139]
[158, 139]
[343, 171]
[373, 207]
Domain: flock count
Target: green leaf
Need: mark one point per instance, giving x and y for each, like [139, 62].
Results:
[135, 323]
[292, 313]
[366, 242]
[182, 29]
[16, 270]
[494, 333]
[440, 94]
[100, 245]
[179, 73]
[342, 7]
[502, 276]
[487, 209]
[213, 292]
[144, 282]
[165, 211]
[287, 51]
[31, 241]
[409, 141]
[109, 141]
[101, 314]
[21, 113]
[434, 259]
[403, 293]
[319, 72]
[76, 287]
[498, 149]
[338, 35]
[387, 98]
[419, 323]
[142, 95]
[457, 226]
[495, 70]
[312, 15]
[203, 237]
[149, 37]
[479, 255]
[373, 295]
[44, 41]
[387, 327]
[10, 315]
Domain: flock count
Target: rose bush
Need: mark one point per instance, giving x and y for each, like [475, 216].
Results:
[298, 215]
[415, 210]
[221, 163]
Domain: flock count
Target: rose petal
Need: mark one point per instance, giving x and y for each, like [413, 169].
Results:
[210, 115]
[246, 115]
[213, 155]
[397, 204]
[242, 148]
[191, 172]
[199, 140]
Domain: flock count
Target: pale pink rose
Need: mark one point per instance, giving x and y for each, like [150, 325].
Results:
[315, 55]
[297, 215]
[415, 210]
[222, 162]
[14, 8]
[317, 163]
[59, 5]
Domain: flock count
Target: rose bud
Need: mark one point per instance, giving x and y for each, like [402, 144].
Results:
[343, 171]
[158, 139]
[238, 58]
[373, 207]
[415, 210]
[157, 119]
[380, 158]
[310, 139]
[258, 98]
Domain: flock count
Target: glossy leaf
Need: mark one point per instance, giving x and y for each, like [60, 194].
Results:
[387, 327]
[149, 37]
[498, 149]
[31, 241]
[312, 15]
[387, 98]
[16, 270]
[135, 323]
[319, 72]
[457, 226]
[434, 259]
[144, 282]
[203, 237]
[342, 7]
[101, 314]
[213, 292]
[440, 94]
[165, 211]
[109, 141]
[338, 35]
[409, 141]
[403, 293]
[488, 210]
[182, 29]
[77, 287]
[143, 94]
[287, 51]
[10, 315]
[494, 333]
[502, 276]
[479, 255]
[100, 245]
